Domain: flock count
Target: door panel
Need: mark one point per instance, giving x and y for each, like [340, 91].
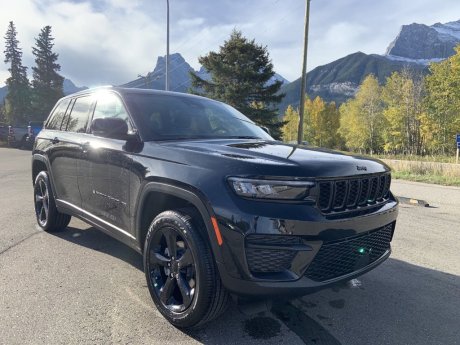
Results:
[63, 156]
[105, 181]
[105, 170]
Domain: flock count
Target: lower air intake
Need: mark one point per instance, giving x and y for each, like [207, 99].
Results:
[340, 258]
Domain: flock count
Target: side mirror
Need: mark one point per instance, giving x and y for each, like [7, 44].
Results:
[111, 127]
[265, 129]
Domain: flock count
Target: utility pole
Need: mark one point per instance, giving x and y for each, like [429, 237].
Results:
[304, 74]
[167, 46]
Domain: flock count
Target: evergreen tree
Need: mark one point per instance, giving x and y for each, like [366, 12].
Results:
[47, 84]
[2, 113]
[240, 76]
[17, 100]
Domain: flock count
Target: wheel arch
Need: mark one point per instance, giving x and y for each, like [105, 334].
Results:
[38, 163]
[185, 194]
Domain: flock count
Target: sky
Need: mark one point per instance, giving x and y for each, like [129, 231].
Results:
[102, 42]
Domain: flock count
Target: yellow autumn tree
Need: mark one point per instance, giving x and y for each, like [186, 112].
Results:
[321, 122]
[361, 118]
[290, 128]
[443, 104]
[404, 112]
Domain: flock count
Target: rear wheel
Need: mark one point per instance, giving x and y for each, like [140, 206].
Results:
[48, 217]
[180, 271]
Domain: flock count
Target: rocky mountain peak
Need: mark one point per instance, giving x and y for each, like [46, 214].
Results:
[419, 41]
[175, 60]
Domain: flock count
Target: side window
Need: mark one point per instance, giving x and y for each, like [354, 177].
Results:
[109, 105]
[79, 115]
[56, 118]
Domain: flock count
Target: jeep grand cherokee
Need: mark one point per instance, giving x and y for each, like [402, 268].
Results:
[215, 205]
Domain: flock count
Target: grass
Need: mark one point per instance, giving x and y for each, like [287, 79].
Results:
[428, 158]
[429, 169]
[427, 178]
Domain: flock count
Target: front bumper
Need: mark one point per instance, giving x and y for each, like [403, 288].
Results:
[304, 271]
[299, 287]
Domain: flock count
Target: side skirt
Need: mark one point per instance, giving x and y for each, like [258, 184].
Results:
[119, 234]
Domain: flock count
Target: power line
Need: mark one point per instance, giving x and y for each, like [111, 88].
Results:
[189, 42]
[196, 37]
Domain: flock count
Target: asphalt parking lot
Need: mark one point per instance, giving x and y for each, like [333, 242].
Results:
[82, 287]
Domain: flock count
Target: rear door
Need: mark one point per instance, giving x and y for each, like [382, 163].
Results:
[65, 152]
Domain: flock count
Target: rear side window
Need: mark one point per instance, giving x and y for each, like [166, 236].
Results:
[58, 115]
[79, 115]
[109, 105]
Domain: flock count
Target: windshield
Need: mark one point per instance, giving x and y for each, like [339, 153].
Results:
[172, 117]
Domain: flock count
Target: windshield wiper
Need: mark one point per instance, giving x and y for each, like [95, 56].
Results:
[241, 137]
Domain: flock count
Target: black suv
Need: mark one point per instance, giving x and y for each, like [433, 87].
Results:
[215, 205]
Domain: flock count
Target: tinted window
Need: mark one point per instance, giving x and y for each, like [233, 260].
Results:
[110, 105]
[167, 117]
[79, 115]
[56, 118]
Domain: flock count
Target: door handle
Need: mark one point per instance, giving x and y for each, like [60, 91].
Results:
[85, 147]
[55, 140]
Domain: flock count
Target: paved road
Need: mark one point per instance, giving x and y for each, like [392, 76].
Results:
[82, 287]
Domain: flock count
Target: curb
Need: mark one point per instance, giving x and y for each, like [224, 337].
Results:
[414, 202]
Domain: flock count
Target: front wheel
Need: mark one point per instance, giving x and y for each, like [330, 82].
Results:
[48, 217]
[181, 273]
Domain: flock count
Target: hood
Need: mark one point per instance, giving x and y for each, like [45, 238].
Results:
[273, 158]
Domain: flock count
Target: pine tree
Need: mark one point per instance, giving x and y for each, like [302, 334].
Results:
[241, 73]
[2, 113]
[17, 100]
[47, 84]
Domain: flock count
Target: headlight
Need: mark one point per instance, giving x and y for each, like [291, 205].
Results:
[271, 189]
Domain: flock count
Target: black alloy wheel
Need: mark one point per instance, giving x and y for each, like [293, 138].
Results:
[48, 217]
[41, 202]
[181, 273]
[172, 270]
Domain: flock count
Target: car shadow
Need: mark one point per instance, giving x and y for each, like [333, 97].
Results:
[94, 239]
[397, 303]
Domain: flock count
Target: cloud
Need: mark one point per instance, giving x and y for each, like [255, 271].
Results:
[112, 41]
[106, 46]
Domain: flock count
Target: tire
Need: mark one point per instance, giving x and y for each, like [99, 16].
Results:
[23, 143]
[47, 215]
[172, 279]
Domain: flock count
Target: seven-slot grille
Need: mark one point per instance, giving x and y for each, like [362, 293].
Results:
[351, 193]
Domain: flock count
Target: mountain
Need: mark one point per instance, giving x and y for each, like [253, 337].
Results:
[415, 47]
[3, 92]
[69, 87]
[179, 77]
[339, 80]
[422, 42]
